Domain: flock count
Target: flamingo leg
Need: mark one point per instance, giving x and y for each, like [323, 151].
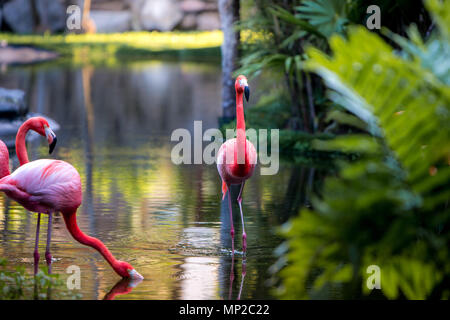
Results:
[230, 291]
[36, 245]
[48, 256]
[231, 219]
[244, 272]
[244, 235]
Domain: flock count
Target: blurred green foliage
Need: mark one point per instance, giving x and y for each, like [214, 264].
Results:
[117, 48]
[328, 16]
[389, 208]
[17, 284]
[283, 30]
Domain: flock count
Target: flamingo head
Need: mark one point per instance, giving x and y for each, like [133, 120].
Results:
[41, 126]
[241, 86]
[125, 270]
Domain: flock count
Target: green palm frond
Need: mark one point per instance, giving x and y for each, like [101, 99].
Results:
[441, 11]
[390, 207]
[406, 100]
[328, 16]
[434, 54]
[294, 20]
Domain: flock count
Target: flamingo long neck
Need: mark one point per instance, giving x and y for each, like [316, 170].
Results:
[21, 149]
[71, 223]
[240, 128]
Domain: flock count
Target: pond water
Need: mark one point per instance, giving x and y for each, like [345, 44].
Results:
[167, 220]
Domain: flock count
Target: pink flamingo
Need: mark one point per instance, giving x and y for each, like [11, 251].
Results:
[236, 159]
[47, 186]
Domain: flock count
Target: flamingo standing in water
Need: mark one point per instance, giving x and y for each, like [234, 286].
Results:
[47, 186]
[236, 159]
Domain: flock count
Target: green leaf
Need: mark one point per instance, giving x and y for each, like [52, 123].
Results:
[390, 206]
[329, 16]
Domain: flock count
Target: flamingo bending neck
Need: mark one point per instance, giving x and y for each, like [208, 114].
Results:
[70, 219]
[65, 198]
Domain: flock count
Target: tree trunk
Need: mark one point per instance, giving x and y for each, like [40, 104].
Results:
[35, 17]
[229, 14]
[294, 122]
[299, 85]
[87, 23]
[312, 108]
[86, 8]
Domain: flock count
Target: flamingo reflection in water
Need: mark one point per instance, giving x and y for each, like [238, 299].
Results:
[226, 238]
[243, 273]
[122, 287]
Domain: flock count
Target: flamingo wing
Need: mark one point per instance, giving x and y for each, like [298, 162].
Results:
[51, 183]
[226, 162]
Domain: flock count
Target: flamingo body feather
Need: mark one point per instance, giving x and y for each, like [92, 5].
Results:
[229, 169]
[44, 186]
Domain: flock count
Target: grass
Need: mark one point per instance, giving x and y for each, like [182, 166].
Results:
[130, 45]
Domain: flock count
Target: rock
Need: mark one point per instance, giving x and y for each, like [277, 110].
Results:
[208, 21]
[196, 6]
[114, 5]
[52, 15]
[8, 131]
[18, 14]
[136, 7]
[12, 103]
[192, 6]
[23, 55]
[189, 22]
[211, 6]
[9, 128]
[162, 15]
[111, 21]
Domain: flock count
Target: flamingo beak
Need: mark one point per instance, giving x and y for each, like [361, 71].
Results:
[52, 145]
[247, 92]
[134, 275]
[51, 138]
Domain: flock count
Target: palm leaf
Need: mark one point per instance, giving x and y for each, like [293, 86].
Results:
[329, 16]
[390, 207]
[406, 100]
[292, 19]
